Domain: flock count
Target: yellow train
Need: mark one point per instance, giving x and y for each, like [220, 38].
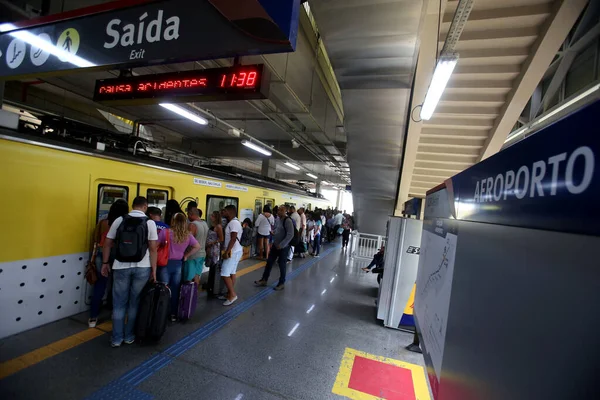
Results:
[51, 199]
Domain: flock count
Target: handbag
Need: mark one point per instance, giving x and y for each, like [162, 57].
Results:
[91, 275]
[162, 257]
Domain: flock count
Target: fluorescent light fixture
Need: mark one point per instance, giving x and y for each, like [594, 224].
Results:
[45, 45]
[294, 329]
[310, 309]
[294, 166]
[256, 148]
[324, 291]
[332, 279]
[312, 176]
[325, 183]
[184, 113]
[441, 75]
[552, 113]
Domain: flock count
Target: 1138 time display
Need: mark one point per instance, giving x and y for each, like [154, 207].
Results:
[233, 83]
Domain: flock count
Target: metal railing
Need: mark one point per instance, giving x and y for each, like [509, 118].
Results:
[365, 245]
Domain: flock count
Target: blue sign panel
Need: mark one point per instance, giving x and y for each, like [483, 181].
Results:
[147, 33]
[550, 180]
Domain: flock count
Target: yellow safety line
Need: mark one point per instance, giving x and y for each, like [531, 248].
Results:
[17, 364]
[251, 268]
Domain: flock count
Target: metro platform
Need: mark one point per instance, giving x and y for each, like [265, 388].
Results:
[317, 339]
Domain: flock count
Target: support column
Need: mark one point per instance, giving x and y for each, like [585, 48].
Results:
[318, 187]
[268, 168]
[338, 203]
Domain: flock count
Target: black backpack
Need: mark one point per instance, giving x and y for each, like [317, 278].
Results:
[294, 241]
[246, 239]
[132, 239]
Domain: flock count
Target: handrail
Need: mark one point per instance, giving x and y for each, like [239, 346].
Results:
[365, 245]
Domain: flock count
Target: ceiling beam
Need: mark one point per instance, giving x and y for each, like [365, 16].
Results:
[495, 34]
[424, 71]
[501, 13]
[552, 35]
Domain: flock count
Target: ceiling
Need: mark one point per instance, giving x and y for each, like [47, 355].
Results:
[505, 48]
[373, 47]
[303, 104]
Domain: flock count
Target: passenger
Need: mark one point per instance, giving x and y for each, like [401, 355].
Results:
[377, 261]
[117, 209]
[347, 226]
[284, 233]
[232, 253]
[263, 223]
[194, 266]
[338, 219]
[214, 244]
[172, 209]
[317, 233]
[223, 218]
[301, 250]
[154, 213]
[182, 245]
[330, 231]
[190, 207]
[310, 231]
[130, 277]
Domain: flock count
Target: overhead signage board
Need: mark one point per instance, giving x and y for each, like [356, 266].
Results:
[156, 32]
[551, 180]
[217, 84]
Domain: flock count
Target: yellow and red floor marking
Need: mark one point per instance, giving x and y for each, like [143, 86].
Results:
[364, 376]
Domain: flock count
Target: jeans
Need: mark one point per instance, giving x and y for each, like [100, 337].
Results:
[273, 255]
[99, 287]
[317, 245]
[171, 275]
[127, 287]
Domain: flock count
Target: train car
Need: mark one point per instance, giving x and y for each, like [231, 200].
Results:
[52, 197]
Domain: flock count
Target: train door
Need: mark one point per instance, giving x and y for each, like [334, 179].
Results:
[217, 203]
[258, 207]
[157, 195]
[106, 192]
[270, 202]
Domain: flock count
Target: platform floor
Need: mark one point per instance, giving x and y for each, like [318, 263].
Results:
[270, 345]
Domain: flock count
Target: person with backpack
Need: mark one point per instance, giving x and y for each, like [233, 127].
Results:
[182, 244]
[135, 240]
[283, 237]
[247, 233]
[194, 266]
[117, 209]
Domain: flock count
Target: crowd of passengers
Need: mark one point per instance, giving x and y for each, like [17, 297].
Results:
[278, 234]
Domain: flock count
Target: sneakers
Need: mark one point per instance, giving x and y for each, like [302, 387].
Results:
[260, 283]
[230, 302]
[281, 286]
[115, 345]
[316, 256]
[173, 318]
[92, 322]
[130, 341]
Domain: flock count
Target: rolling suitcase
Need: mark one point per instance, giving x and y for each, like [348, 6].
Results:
[188, 298]
[153, 312]
[214, 286]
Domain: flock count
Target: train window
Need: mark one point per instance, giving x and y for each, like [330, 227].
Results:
[217, 203]
[107, 195]
[157, 198]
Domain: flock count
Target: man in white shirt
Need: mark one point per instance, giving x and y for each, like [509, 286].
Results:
[338, 219]
[135, 263]
[232, 254]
